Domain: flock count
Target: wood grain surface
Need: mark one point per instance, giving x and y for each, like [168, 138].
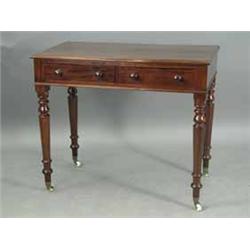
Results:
[193, 54]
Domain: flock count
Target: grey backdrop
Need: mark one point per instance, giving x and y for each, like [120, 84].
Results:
[136, 146]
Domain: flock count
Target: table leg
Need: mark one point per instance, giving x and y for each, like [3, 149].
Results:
[198, 135]
[209, 125]
[44, 121]
[73, 113]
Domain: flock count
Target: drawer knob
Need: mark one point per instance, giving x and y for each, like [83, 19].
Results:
[134, 76]
[59, 72]
[99, 74]
[178, 78]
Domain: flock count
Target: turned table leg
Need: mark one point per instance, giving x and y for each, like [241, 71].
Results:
[209, 125]
[73, 113]
[198, 136]
[44, 121]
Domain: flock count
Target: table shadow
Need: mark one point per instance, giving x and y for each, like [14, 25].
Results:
[157, 158]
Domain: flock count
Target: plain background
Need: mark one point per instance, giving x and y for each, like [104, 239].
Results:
[136, 146]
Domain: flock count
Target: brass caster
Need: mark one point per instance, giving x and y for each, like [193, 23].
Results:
[198, 206]
[49, 187]
[205, 168]
[205, 172]
[77, 163]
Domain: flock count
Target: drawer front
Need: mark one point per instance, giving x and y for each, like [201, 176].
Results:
[78, 73]
[158, 78]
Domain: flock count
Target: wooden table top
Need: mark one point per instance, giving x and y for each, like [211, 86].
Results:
[189, 54]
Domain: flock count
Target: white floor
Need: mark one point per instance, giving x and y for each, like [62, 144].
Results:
[124, 179]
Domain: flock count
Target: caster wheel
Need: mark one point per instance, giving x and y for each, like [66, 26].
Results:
[198, 207]
[205, 172]
[77, 164]
[205, 168]
[49, 187]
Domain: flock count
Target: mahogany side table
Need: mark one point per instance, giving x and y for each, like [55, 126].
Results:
[169, 68]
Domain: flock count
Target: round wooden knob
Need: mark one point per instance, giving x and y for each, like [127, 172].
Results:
[99, 74]
[178, 78]
[134, 76]
[59, 72]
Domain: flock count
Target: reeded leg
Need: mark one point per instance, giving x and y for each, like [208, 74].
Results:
[198, 132]
[209, 126]
[44, 120]
[72, 103]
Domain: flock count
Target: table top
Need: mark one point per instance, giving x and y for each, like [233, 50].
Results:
[189, 54]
